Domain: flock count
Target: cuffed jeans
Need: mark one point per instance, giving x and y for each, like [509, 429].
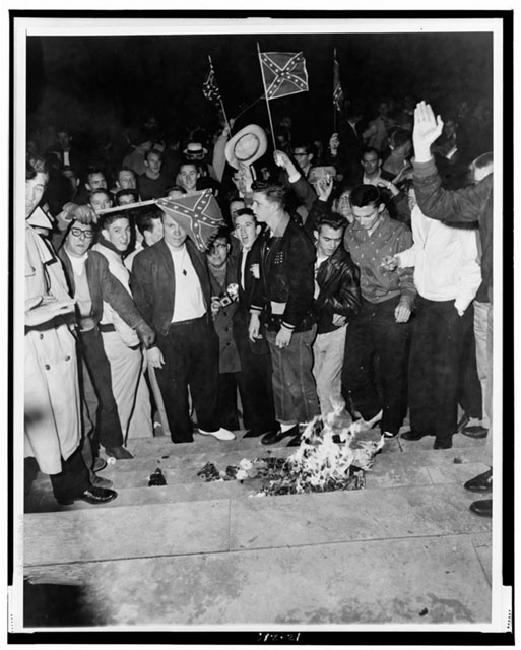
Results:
[294, 392]
[328, 350]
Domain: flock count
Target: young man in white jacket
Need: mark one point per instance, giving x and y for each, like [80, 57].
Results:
[447, 276]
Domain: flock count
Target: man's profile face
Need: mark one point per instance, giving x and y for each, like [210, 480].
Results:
[371, 163]
[155, 233]
[175, 235]
[153, 162]
[246, 229]
[96, 181]
[328, 240]
[262, 207]
[118, 233]
[34, 189]
[126, 180]
[100, 201]
[79, 239]
[188, 177]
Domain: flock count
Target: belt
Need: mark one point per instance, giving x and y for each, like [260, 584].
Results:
[106, 327]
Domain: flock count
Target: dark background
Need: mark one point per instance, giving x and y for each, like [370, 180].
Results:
[104, 84]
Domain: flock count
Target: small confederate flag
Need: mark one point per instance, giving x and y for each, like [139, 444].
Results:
[210, 88]
[283, 73]
[338, 93]
[198, 214]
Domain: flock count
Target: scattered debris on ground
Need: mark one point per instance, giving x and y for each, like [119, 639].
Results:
[157, 477]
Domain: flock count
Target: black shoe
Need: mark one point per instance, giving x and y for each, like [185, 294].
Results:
[118, 452]
[413, 435]
[480, 483]
[92, 495]
[445, 443]
[475, 432]
[98, 464]
[482, 508]
[273, 437]
[464, 420]
[295, 442]
[254, 434]
[101, 481]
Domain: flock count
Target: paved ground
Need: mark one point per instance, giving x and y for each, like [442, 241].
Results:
[404, 550]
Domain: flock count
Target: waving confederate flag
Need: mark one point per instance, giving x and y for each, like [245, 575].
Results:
[284, 73]
[198, 214]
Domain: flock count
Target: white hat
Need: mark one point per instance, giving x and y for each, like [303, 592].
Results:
[195, 149]
[246, 146]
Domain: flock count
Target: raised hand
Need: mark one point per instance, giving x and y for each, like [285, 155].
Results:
[427, 129]
[323, 187]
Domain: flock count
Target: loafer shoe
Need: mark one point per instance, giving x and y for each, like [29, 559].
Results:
[93, 495]
[480, 483]
[118, 452]
[220, 434]
[273, 437]
[295, 442]
[475, 432]
[445, 443]
[99, 464]
[413, 435]
[482, 508]
[101, 481]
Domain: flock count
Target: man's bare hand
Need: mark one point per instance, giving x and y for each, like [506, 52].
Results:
[402, 312]
[254, 327]
[283, 338]
[323, 187]
[155, 357]
[339, 320]
[427, 129]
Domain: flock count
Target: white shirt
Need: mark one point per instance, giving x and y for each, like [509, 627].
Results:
[318, 262]
[445, 260]
[373, 181]
[189, 301]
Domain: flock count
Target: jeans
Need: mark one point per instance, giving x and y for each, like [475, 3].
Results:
[328, 350]
[294, 392]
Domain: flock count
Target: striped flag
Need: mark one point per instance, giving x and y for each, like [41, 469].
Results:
[199, 214]
[283, 73]
[338, 93]
[210, 88]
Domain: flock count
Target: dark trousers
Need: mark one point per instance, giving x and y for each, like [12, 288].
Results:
[191, 353]
[108, 427]
[470, 397]
[73, 479]
[435, 367]
[255, 383]
[374, 375]
[228, 416]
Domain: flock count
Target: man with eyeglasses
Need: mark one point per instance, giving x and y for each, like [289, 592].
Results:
[379, 334]
[92, 284]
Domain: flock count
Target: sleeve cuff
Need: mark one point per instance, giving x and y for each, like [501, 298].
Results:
[294, 177]
[287, 326]
[424, 169]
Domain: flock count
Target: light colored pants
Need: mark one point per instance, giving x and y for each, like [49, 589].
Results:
[484, 336]
[141, 421]
[126, 370]
[328, 350]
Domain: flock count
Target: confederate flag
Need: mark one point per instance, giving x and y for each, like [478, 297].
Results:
[283, 73]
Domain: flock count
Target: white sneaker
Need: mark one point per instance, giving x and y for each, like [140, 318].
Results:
[220, 434]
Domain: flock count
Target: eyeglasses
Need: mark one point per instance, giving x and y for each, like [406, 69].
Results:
[84, 234]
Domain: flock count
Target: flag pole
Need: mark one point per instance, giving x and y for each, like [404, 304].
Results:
[248, 108]
[334, 87]
[266, 97]
[220, 98]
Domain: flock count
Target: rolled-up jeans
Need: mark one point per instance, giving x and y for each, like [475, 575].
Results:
[294, 390]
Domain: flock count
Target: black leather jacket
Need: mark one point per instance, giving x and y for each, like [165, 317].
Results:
[339, 281]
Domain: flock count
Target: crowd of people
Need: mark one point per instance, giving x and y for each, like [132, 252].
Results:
[352, 277]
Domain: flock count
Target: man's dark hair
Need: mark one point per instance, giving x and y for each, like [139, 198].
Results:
[147, 154]
[94, 170]
[187, 161]
[120, 193]
[371, 150]
[398, 136]
[241, 212]
[303, 144]
[333, 220]
[100, 190]
[125, 169]
[106, 220]
[222, 233]
[363, 195]
[273, 191]
[145, 219]
[176, 188]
